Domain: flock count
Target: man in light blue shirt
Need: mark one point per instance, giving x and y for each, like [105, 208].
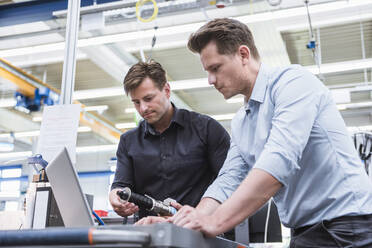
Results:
[289, 142]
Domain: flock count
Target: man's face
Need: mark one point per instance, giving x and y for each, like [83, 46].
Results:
[150, 102]
[225, 72]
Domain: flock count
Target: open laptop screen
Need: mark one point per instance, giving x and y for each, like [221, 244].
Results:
[67, 191]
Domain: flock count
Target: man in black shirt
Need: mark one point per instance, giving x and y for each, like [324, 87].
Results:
[173, 153]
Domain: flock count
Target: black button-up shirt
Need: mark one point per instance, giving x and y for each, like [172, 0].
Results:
[179, 163]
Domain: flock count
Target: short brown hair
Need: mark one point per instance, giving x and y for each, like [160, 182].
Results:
[228, 34]
[138, 72]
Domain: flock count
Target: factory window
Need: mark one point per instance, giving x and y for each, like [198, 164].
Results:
[9, 188]
[6, 173]
[11, 206]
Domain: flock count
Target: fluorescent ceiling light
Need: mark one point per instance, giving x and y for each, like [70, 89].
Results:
[364, 87]
[41, 60]
[189, 84]
[341, 106]
[160, 46]
[7, 102]
[35, 133]
[354, 105]
[223, 117]
[27, 134]
[37, 118]
[84, 129]
[352, 87]
[32, 49]
[130, 110]
[127, 125]
[235, 100]
[100, 148]
[359, 128]
[96, 93]
[10, 102]
[341, 66]
[98, 108]
[80, 149]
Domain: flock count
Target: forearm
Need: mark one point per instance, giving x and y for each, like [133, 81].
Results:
[207, 205]
[256, 189]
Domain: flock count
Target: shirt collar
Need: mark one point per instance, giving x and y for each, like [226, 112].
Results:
[259, 88]
[176, 118]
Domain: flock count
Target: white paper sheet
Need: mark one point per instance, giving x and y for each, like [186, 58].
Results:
[59, 129]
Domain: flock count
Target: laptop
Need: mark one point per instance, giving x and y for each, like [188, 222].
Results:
[67, 191]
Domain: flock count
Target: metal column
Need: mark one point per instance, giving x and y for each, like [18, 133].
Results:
[69, 65]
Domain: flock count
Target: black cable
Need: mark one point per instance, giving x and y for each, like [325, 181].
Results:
[309, 18]
[153, 42]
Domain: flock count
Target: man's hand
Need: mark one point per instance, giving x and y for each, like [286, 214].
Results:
[158, 219]
[189, 217]
[152, 220]
[176, 205]
[122, 208]
[256, 189]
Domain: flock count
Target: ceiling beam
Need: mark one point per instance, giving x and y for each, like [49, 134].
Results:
[108, 61]
[113, 64]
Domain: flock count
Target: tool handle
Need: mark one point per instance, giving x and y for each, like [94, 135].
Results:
[140, 200]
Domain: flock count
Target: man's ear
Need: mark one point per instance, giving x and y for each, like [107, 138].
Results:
[167, 89]
[244, 53]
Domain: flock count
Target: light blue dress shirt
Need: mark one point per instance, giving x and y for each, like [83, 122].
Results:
[291, 128]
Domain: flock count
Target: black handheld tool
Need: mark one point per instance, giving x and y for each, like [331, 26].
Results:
[146, 202]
